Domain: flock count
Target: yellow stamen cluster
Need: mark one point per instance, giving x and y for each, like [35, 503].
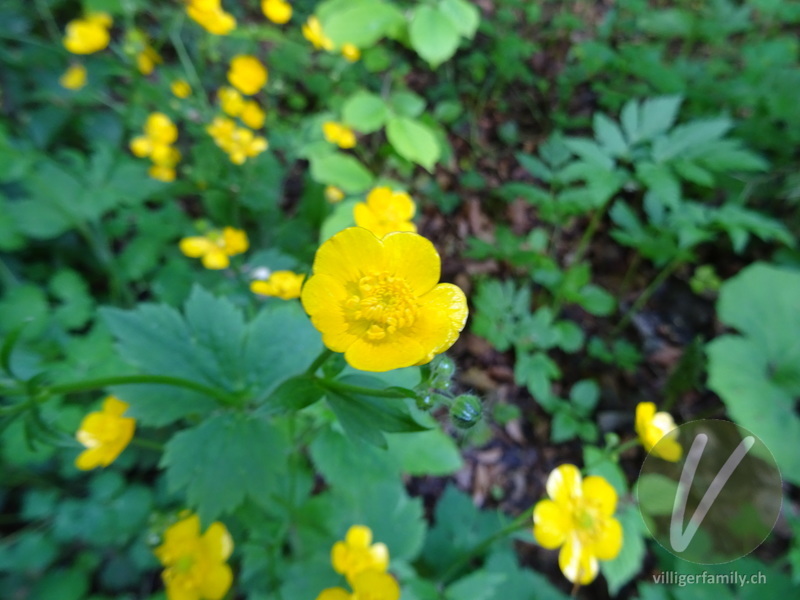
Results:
[385, 303]
[156, 143]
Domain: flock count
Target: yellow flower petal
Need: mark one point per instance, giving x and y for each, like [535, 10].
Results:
[180, 88]
[74, 78]
[114, 406]
[90, 459]
[216, 582]
[576, 562]
[247, 74]
[601, 494]
[609, 539]
[349, 255]
[358, 536]
[351, 52]
[277, 11]
[564, 484]
[415, 259]
[218, 542]
[375, 585]
[645, 411]
[441, 318]
[551, 524]
[334, 594]
[385, 355]
[216, 259]
[195, 247]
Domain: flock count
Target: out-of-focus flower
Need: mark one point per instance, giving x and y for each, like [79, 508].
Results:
[252, 115]
[379, 300]
[247, 74]
[147, 59]
[180, 88]
[195, 565]
[652, 426]
[312, 31]
[105, 434]
[385, 211]
[231, 101]
[238, 142]
[285, 285]
[339, 134]
[160, 129]
[367, 585]
[210, 15]
[159, 135]
[74, 78]
[578, 518]
[351, 52]
[333, 194]
[89, 34]
[277, 11]
[216, 247]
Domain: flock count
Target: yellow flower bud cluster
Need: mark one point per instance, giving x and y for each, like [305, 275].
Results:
[211, 16]
[156, 143]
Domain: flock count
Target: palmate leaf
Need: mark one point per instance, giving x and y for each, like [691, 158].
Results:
[227, 458]
[210, 344]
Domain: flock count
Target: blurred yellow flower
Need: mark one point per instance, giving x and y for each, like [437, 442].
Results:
[210, 15]
[357, 553]
[105, 434]
[159, 135]
[147, 59]
[312, 31]
[385, 211]
[180, 88]
[339, 134]
[196, 567]
[160, 129]
[578, 517]
[367, 585]
[277, 11]
[377, 300]
[162, 173]
[652, 426]
[281, 284]
[333, 194]
[247, 74]
[253, 115]
[231, 101]
[351, 52]
[216, 247]
[88, 35]
[74, 78]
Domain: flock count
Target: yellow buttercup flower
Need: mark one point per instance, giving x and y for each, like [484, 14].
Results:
[74, 78]
[652, 426]
[351, 52]
[339, 134]
[578, 518]
[357, 553]
[367, 585]
[277, 11]
[377, 300]
[105, 434]
[333, 194]
[210, 15]
[88, 35]
[180, 88]
[162, 173]
[159, 135]
[196, 567]
[385, 211]
[252, 115]
[312, 31]
[281, 284]
[247, 74]
[231, 101]
[216, 247]
[160, 129]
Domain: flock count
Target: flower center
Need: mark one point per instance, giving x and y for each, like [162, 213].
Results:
[385, 302]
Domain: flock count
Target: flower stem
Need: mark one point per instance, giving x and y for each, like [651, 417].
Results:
[453, 570]
[338, 386]
[319, 361]
[645, 295]
[148, 444]
[94, 384]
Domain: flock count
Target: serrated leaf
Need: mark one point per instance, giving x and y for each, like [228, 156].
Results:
[430, 452]
[658, 115]
[227, 458]
[608, 133]
[590, 152]
[414, 141]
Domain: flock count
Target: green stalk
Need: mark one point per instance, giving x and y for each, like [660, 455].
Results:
[319, 361]
[645, 295]
[346, 388]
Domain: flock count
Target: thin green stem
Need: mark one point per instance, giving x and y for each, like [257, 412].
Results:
[104, 382]
[645, 295]
[454, 569]
[338, 386]
[591, 229]
[186, 62]
[319, 361]
[50, 23]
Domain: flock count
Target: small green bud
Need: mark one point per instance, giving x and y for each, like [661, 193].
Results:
[466, 411]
